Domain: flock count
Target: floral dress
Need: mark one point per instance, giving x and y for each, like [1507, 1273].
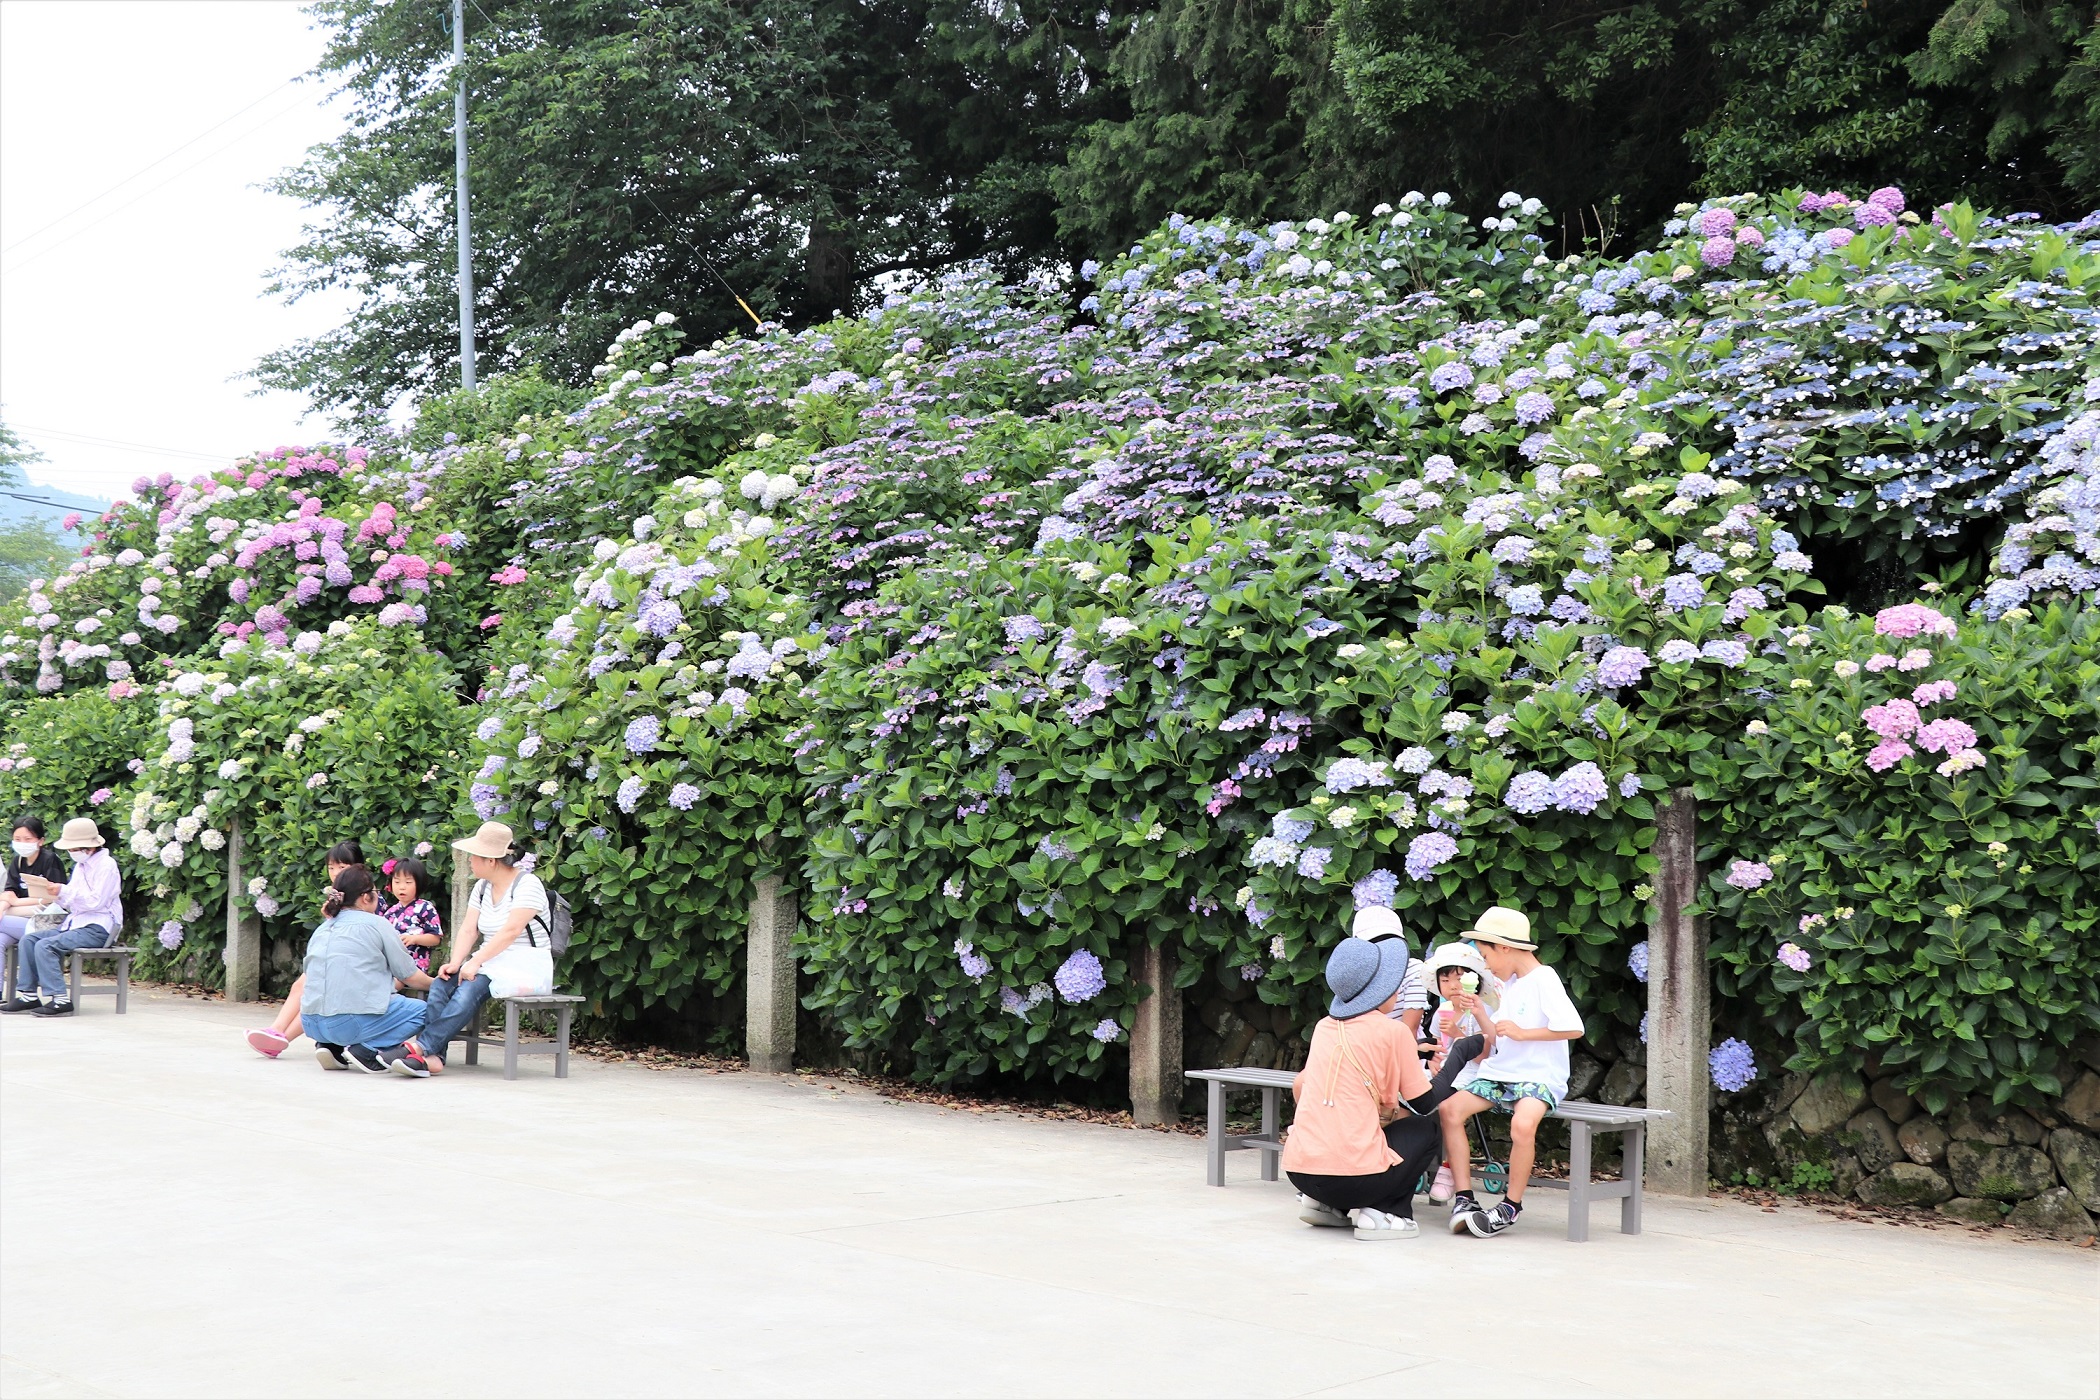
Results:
[418, 917]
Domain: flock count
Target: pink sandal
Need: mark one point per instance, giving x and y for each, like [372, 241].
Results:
[269, 1041]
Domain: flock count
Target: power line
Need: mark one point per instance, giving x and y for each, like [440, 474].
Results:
[55, 505]
[114, 210]
[28, 237]
[123, 446]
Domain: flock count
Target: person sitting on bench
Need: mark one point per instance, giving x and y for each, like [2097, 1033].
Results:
[503, 946]
[94, 909]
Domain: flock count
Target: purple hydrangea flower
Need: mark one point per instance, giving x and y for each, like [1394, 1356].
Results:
[1794, 956]
[1580, 789]
[1251, 972]
[643, 733]
[1427, 851]
[1375, 889]
[171, 935]
[1621, 666]
[1080, 977]
[1682, 591]
[1732, 1065]
[974, 964]
[1106, 1031]
[683, 796]
[1452, 374]
[1312, 862]
[1637, 961]
[1527, 601]
[1629, 785]
[630, 794]
[1718, 251]
[1025, 627]
[659, 617]
[1289, 828]
[1677, 652]
[1101, 678]
[1533, 407]
[1529, 793]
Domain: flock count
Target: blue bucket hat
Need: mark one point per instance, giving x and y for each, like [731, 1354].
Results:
[1362, 975]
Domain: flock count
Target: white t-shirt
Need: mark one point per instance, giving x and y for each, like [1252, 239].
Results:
[1536, 1001]
[521, 964]
[1414, 990]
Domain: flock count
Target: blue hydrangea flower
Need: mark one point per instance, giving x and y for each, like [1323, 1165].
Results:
[1629, 785]
[1452, 374]
[1349, 774]
[1529, 793]
[1415, 760]
[1527, 601]
[1427, 851]
[1080, 977]
[488, 729]
[1106, 1031]
[683, 796]
[1580, 789]
[1026, 627]
[1682, 591]
[1637, 964]
[1312, 862]
[1288, 828]
[1678, 652]
[974, 964]
[1725, 653]
[643, 733]
[1621, 666]
[1375, 889]
[630, 793]
[1732, 1066]
[1533, 407]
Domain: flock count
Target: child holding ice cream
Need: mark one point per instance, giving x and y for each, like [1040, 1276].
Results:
[1466, 1002]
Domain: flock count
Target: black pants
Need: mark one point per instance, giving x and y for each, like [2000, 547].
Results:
[1418, 1139]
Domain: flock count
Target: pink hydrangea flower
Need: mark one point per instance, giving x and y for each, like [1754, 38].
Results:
[1794, 956]
[1896, 719]
[1749, 874]
[1887, 754]
[1913, 620]
[492, 620]
[1960, 761]
[1916, 659]
[1872, 216]
[1887, 197]
[1932, 692]
[1946, 736]
[1835, 237]
[1749, 236]
[1715, 223]
[508, 575]
[1880, 661]
[1717, 251]
[71, 522]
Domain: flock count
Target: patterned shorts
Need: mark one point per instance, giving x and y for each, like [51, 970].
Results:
[1503, 1095]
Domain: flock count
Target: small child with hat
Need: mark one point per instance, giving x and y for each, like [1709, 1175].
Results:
[1466, 1002]
[1526, 1076]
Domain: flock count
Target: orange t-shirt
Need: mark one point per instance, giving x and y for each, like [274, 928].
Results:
[1351, 1069]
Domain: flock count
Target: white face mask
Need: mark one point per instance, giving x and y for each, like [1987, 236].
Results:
[26, 849]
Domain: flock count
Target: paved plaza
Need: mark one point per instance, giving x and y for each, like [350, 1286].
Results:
[184, 1218]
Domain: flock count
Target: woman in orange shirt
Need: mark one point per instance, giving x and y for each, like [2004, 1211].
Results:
[1366, 1128]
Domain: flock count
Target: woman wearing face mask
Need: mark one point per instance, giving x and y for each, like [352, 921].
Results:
[30, 857]
[91, 903]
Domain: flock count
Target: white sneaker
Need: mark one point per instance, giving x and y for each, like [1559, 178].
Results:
[1314, 1212]
[1377, 1225]
[1440, 1190]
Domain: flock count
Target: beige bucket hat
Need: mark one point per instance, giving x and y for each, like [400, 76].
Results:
[1505, 926]
[81, 834]
[493, 842]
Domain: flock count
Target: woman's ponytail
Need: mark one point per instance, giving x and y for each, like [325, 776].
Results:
[350, 886]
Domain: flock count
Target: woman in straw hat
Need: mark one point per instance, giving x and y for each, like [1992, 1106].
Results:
[94, 914]
[1366, 1125]
[503, 947]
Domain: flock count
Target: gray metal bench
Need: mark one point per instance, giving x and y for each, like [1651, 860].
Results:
[122, 991]
[1584, 1121]
[562, 1004]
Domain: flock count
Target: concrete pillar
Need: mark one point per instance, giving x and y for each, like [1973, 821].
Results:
[769, 978]
[1155, 1041]
[1680, 1006]
[244, 946]
[462, 890]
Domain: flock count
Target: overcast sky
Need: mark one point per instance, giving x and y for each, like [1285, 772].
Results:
[125, 324]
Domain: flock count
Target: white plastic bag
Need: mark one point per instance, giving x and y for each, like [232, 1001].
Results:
[521, 971]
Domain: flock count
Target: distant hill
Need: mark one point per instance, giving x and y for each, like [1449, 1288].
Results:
[64, 503]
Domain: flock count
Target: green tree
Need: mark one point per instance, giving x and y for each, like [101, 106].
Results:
[29, 548]
[630, 159]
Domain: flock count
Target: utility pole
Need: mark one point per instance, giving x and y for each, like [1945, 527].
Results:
[466, 244]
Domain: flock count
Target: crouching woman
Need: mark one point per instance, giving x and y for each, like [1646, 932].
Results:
[357, 1019]
[1366, 1128]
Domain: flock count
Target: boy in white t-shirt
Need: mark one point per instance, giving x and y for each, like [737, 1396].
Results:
[1526, 1077]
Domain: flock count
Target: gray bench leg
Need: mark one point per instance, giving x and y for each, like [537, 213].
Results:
[1635, 1155]
[1214, 1140]
[73, 978]
[8, 992]
[1578, 1181]
[561, 1044]
[123, 985]
[510, 1040]
[1268, 1130]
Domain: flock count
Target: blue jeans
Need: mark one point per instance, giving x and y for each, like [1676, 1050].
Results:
[43, 962]
[452, 1009]
[376, 1030]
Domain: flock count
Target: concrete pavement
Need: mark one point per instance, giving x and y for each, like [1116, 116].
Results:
[182, 1217]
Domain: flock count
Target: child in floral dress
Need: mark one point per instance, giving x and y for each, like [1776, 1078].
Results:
[410, 911]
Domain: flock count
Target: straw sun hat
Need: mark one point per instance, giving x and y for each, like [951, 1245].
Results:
[492, 842]
[81, 834]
